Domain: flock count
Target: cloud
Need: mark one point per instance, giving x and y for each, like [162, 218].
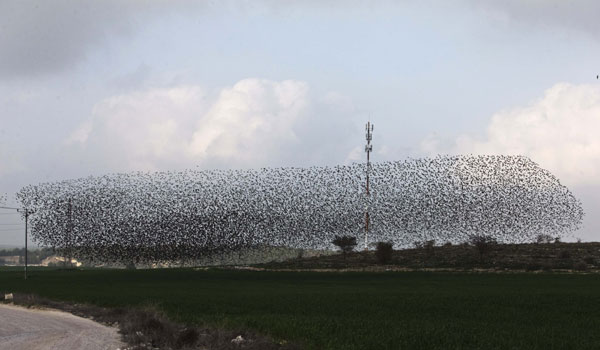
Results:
[559, 131]
[80, 135]
[39, 37]
[42, 37]
[579, 15]
[253, 123]
[249, 119]
[135, 131]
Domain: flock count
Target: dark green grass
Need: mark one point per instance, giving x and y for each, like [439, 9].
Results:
[400, 310]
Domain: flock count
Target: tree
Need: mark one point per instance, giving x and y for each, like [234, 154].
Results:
[384, 251]
[345, 243]
[482, 243]
[543, 238]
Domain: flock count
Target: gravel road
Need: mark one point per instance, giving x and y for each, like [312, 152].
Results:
[34, 329]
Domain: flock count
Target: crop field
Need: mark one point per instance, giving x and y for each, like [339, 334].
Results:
[350, 310]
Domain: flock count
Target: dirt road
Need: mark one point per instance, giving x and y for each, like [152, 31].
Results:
[33, 329]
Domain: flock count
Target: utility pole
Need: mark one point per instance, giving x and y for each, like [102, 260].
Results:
[368, 149]
[26, 212]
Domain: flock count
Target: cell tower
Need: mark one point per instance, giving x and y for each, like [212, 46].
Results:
[368, 149]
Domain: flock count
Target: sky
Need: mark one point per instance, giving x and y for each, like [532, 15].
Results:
[97, 87]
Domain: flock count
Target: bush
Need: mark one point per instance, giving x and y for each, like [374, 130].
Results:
[429, 247]
[546, 266]
[564, 254]
[345, 243]
[383, 252]
[533, 266]
[580, 266]
[187, 338]
[589, 260]
[482, 243]
[542, 238]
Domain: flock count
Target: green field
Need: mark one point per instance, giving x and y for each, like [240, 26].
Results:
[318, 310]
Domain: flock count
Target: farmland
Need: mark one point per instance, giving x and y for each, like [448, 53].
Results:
[351, 310]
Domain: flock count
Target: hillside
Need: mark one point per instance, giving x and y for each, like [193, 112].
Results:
[529, 257]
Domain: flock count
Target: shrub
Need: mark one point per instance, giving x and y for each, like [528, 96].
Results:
[580, 266]
[148, 327]
[383, 252]
[557, 240]
[345, 243]
[448, 244]
[543, 238]
[564, 254]
[533, 266]
[429, 247]
[546, 266]
[589, 260]
[482, 243]
[187, 338]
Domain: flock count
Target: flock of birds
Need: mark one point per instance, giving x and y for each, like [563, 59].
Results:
[192, 214]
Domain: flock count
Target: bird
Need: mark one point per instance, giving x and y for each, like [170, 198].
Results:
[201, 214]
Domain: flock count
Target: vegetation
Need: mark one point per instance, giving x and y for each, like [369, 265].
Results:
[34, 256]
[500, 257]
[393, 310]
[544, 238]
[483, 243]
[427, 246]
[345, 243]
[147, 327]
[383, 252]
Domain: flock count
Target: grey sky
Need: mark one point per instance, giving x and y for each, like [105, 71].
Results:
[93, 87]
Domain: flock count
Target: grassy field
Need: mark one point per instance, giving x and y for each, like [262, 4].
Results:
[319, 310]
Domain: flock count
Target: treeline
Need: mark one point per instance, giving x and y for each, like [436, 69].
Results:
[34, 256]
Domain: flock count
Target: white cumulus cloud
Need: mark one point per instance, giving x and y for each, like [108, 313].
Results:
[560, 131]
[253, 123]
[249, 120]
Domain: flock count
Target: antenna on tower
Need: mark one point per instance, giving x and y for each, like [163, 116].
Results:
[368, 149]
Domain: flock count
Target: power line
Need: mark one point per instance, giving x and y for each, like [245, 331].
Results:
[25, 212]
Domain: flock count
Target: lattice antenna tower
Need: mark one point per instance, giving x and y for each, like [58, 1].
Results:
[368, 149]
